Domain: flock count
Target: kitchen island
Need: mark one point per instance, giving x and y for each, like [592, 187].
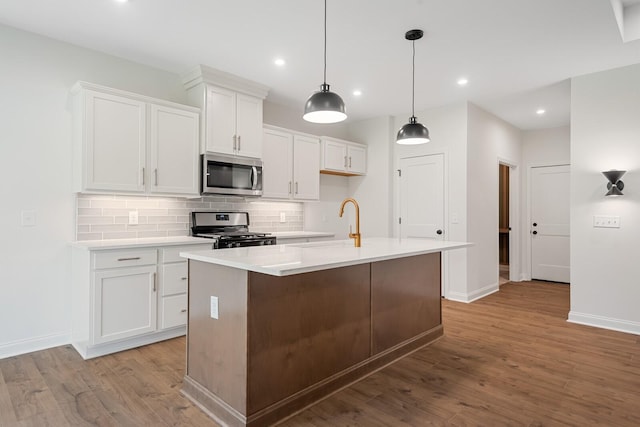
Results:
[271, 330]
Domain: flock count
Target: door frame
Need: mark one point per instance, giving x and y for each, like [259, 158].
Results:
[397, 207]
[514, 221]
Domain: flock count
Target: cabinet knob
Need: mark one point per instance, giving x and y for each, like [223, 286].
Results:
[535, 232]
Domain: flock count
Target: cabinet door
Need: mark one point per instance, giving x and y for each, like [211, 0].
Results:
[306, 168]
[114, 134]
[277, 164]
[249, 126]
[125, 303]
[357, 159]
[173, 154]
[334, 156]
[221, 120]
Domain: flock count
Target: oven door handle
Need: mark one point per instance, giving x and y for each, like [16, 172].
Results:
[254, 178]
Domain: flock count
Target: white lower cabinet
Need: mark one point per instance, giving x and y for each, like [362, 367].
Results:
[124, 303]
[125, 298]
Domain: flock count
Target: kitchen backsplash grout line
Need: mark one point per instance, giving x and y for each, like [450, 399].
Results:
[106, 216]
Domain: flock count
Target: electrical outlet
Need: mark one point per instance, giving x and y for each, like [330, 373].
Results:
[133, 217]
[283, 217]
[604, 221]
[214, 307]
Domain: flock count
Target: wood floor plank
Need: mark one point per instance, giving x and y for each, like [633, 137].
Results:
[508, 359]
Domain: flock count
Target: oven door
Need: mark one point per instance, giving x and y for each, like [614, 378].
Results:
[231, 175]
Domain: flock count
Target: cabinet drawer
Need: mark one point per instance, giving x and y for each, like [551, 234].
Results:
[174, 278]
[130, 258]
[174, 311]
[172, 254]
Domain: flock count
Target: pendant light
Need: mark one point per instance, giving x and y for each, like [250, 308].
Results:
[413, 132]
[324, 106]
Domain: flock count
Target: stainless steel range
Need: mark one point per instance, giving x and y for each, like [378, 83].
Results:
[227, 229]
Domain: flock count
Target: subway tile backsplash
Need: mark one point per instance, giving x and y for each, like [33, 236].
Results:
[106, 216]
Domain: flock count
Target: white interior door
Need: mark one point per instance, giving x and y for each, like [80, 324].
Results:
[550, 223]
[422, 196]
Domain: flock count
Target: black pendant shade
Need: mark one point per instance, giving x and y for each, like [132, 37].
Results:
[413, 133]
[614, 185]
[324, 106]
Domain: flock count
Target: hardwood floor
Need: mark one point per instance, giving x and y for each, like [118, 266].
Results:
[508, 359]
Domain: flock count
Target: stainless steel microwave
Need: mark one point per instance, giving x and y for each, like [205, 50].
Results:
[231, 175]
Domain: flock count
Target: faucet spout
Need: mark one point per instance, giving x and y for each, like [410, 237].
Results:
[355, 236]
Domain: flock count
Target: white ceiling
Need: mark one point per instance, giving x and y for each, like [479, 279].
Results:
[517, 54]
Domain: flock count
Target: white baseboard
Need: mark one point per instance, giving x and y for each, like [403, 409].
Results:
[475, 295]
[16, 348]
[605, 322]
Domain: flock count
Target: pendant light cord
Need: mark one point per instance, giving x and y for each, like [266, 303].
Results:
[325, 42]
[413, 81]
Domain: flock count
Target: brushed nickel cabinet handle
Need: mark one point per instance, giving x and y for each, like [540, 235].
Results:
[142, 176]
[349, 161]
[129, 259]
[239, 141]
[345, 161]
[296, 187]
[155, 174]
[289, 187]
[235, 142]
[155, 276]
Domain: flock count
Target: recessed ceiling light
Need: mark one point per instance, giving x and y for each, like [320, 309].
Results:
[121, 1]
[357, 92]
[279, 62]
[462, 81]
[540, 111]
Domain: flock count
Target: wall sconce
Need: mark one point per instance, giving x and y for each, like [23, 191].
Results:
[614, 185]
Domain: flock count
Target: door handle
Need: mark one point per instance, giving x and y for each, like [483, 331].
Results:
[535, 224]
[438, 232]
[534, 232]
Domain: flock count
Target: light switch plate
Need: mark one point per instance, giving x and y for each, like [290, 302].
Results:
[28, 218]
[606, 221]
[214, 307]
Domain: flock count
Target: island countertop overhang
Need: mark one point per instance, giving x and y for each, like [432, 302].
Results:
[289, 259]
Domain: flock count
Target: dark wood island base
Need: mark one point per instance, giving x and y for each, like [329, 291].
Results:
[282, 343]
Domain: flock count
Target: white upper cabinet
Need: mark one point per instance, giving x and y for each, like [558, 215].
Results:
[129, 143]
[343, 157]
[291, 165]
[173, 154]
[114, 135]
[231, 111]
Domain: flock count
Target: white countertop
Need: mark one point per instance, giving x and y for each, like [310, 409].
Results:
[139, 243]
[296, 258]
[299, 234]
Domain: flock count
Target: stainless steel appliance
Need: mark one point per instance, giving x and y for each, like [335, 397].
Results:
[227, 229]
[231, 175]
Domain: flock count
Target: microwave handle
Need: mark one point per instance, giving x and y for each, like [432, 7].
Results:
[254, 177]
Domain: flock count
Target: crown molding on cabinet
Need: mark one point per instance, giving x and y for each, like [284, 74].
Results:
[205, 74]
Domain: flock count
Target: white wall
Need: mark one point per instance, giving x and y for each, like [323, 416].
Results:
[373, 191]
[605, 134]
[448, 131]
[545, 147]
[35, 163]
[490, 141]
